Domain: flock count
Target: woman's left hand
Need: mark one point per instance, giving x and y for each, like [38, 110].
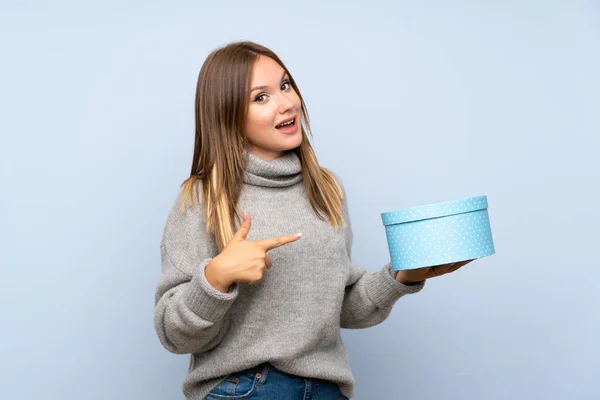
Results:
[412, 276]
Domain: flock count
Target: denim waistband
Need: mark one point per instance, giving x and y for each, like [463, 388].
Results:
[262, 371]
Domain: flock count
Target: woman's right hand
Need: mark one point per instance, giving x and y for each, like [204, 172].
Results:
[243, 261]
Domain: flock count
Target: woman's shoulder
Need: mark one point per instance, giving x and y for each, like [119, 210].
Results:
[187, 204]
[185, 220]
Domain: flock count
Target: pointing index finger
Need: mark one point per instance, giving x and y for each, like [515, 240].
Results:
[278, 241]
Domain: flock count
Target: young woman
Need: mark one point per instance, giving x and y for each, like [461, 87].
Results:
[257, 278]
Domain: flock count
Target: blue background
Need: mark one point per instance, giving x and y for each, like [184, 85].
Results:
[411, 103]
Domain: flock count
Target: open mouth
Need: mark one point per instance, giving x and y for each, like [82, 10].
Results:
[288, 123]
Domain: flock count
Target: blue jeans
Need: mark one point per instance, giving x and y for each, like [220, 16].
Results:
[267, 382]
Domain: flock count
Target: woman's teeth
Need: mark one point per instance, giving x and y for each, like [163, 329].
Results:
[286, 123]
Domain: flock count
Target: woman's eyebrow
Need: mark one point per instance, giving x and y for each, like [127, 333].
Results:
[264, 87]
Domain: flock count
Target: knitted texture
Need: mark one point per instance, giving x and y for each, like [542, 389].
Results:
[292, 317]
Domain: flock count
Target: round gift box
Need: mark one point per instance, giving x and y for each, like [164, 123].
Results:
[439, 233]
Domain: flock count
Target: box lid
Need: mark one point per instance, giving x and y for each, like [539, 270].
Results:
[434, 210]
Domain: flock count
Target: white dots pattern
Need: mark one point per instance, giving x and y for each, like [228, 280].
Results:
[439, 233]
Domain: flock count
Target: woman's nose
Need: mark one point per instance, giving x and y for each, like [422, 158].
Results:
[285, 104]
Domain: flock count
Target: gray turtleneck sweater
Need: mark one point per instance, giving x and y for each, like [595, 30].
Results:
[292, 318]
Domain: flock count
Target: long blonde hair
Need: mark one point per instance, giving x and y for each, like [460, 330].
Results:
[220, 144]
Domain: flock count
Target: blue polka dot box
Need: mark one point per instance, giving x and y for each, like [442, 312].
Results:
[439, 233]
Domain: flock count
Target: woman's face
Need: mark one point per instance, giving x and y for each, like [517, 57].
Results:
[272, 101]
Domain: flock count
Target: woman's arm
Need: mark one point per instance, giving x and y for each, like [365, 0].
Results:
[369, 296]
[190, 314]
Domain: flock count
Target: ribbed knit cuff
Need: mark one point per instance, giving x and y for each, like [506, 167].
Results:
[384, 290]
[206, 301]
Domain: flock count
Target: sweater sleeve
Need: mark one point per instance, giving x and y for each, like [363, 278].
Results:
[369, 296]
[190, 315]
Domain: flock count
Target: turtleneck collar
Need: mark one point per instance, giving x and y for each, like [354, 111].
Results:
[280, 172]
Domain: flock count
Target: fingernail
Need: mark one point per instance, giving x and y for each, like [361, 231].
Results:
[298, 235]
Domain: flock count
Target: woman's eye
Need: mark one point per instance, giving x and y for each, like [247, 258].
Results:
[260, 98]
